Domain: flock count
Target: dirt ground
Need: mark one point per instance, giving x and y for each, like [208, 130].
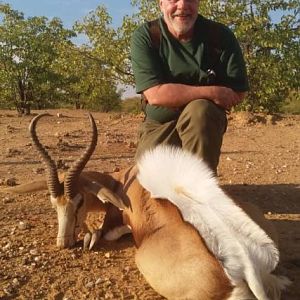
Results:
[259, 163]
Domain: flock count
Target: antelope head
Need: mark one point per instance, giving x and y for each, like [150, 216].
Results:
[66, 197]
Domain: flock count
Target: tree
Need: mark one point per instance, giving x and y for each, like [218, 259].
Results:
[85, 81]
[109, 46]
[28, 48]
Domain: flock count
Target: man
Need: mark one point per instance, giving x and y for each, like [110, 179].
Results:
[187, 83]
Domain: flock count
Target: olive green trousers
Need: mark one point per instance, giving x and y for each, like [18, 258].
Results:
[198, 129]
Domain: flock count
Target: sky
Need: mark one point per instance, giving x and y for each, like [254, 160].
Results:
[70, 11]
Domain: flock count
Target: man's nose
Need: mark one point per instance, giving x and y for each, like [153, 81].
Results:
[181, 4]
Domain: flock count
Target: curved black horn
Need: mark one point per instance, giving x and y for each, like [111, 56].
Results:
[75, 170]
[54, 186]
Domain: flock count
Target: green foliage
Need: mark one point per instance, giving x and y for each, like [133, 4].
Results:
[132, 105]
[292, 103]
[28, 48]
[86, 82]
[41, 67]
[109, 46]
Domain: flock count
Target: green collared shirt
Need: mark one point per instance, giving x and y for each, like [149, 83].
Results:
[187, 62]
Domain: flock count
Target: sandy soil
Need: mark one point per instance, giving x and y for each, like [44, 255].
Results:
[260, 163]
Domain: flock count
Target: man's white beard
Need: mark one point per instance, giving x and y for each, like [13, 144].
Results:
[182, 28]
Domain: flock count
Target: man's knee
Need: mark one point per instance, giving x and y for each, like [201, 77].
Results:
[200, 113]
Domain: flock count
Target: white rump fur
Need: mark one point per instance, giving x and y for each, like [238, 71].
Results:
[244, 249]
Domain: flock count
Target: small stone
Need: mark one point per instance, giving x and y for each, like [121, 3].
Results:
[109, 295]
[7, 200]
[15, 282]
[89, 285]
[8, 291]
[127, 269]
[11, 181]
[132, 145]
[107, 283]
[107, 255]
[33, 252]
[23, 225]
[7, 246]
[39, 170]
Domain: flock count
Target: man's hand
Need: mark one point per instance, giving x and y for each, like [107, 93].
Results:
[225, 97]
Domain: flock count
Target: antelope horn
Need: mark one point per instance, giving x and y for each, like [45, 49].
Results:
[75, 170]
[54, 186]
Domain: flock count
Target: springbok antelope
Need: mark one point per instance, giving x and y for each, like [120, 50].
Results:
[68, 198]
[193, 241]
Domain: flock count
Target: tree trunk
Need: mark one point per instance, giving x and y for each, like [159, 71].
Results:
[23, 107]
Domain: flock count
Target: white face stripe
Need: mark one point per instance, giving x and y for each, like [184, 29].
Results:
[69, 215]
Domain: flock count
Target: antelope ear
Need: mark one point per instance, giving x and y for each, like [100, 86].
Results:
[101, 192]
[34, 186]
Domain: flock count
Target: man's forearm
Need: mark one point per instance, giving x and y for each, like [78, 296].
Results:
[177, 95]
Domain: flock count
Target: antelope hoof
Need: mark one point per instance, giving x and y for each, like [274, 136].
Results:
[95, 238]
[86, 240]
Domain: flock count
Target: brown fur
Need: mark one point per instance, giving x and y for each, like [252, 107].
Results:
[170, 254]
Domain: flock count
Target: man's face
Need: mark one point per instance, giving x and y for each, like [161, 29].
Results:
[180, 16]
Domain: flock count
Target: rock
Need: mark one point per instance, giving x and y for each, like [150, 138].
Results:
[109, 295]
[23, 225]
[7, 200]
[89, 285]
[98, 281]
[132, 145]
[8, 290]
[15, 282]
[12, 152]
[39, 170]
[33, 252]
[6, 247]
[11, 181]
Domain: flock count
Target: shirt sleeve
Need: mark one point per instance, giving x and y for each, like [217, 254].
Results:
[146, 63]
[233, 64]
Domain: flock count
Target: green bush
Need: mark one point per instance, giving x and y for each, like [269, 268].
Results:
[292, 104]
[131, 105]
